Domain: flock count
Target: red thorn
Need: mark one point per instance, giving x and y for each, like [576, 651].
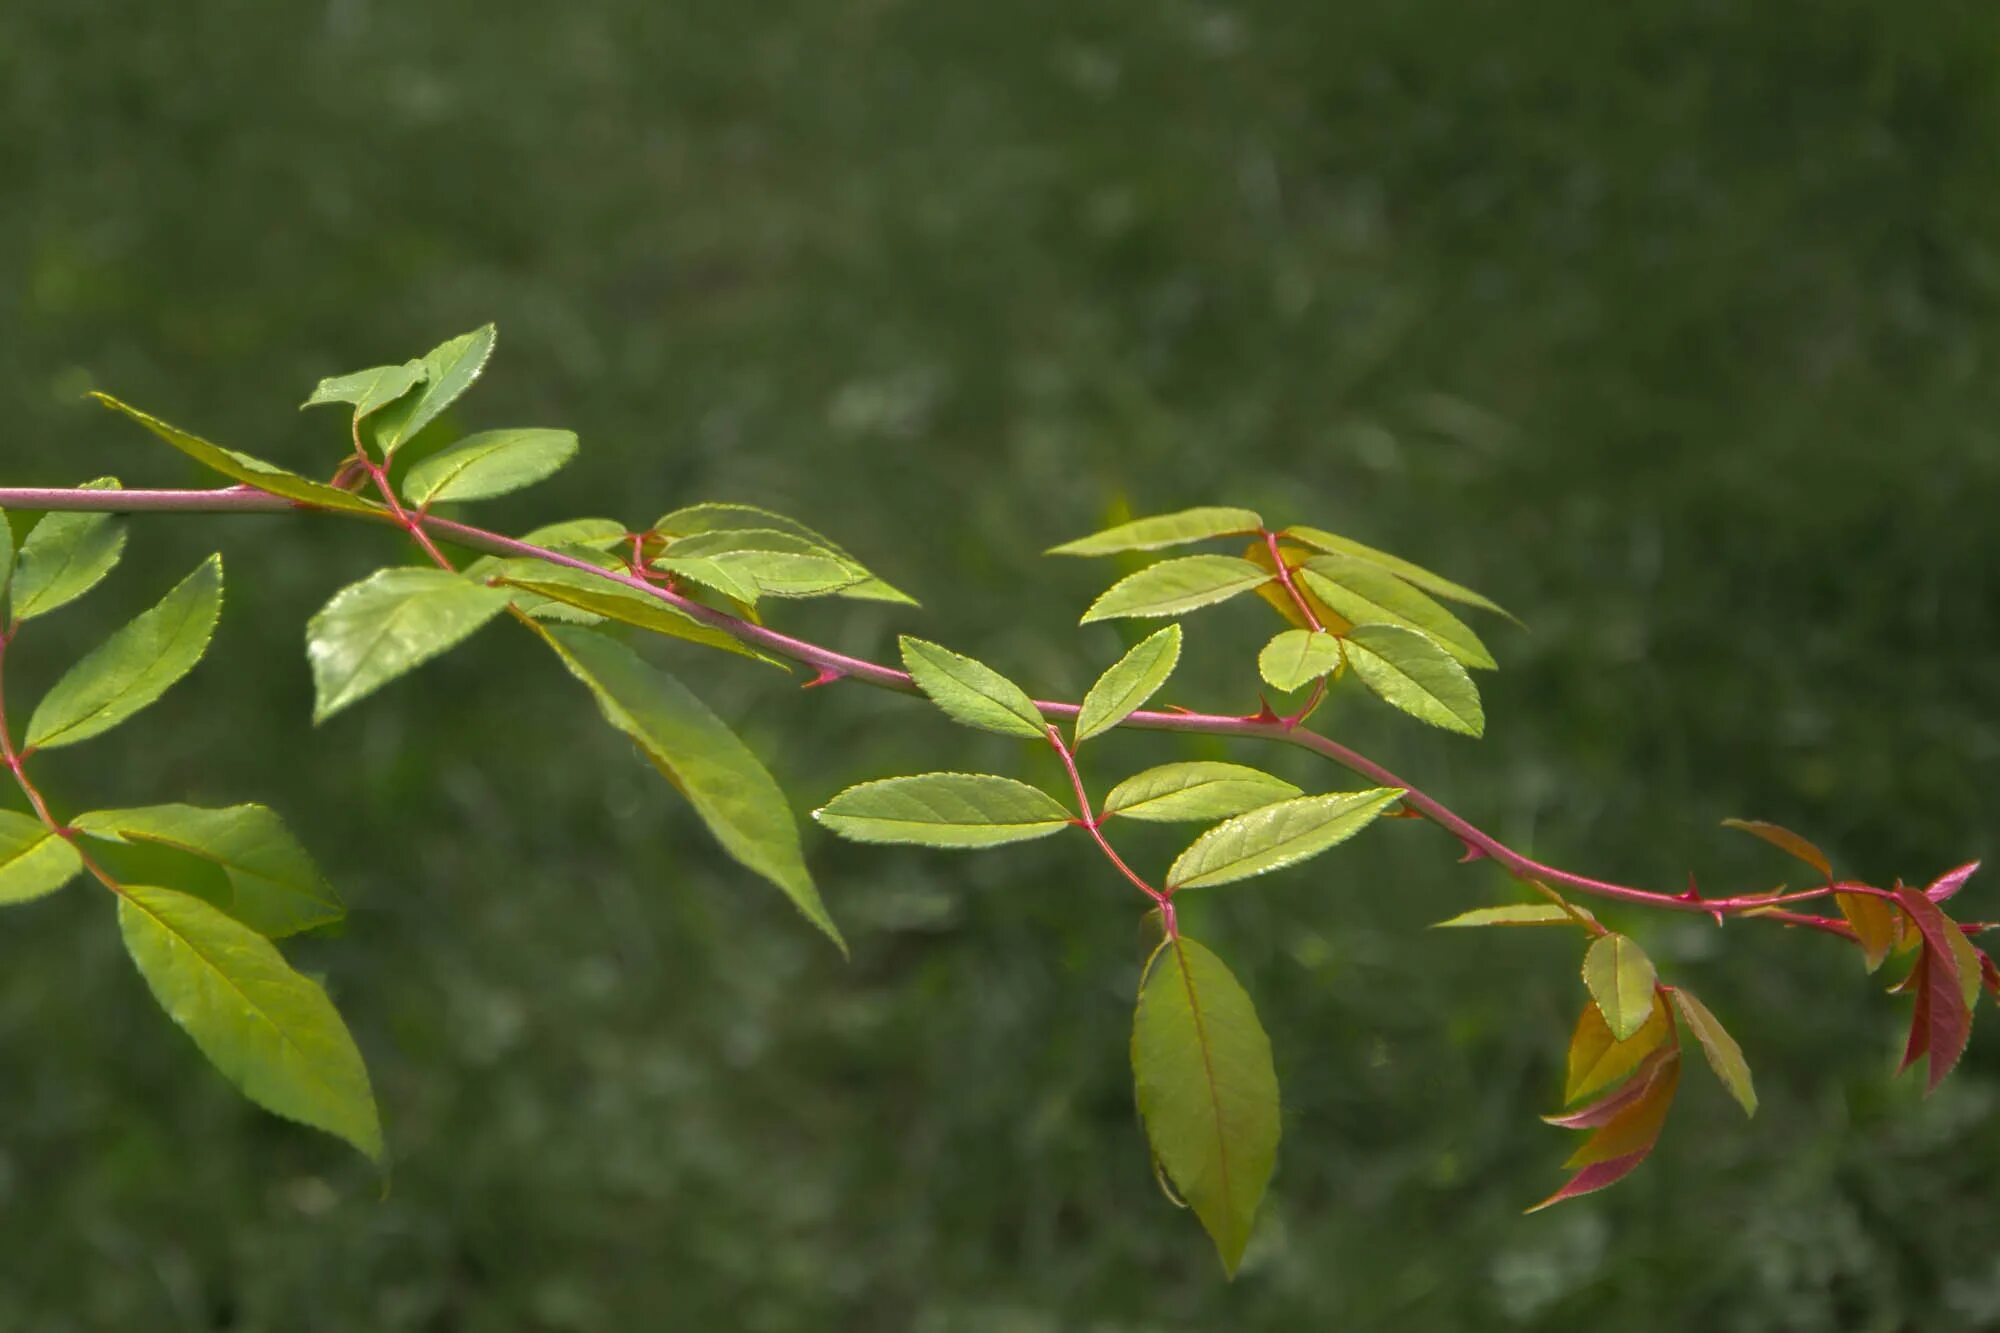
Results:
[826, 676]
[1472, 854]
[1263, 713]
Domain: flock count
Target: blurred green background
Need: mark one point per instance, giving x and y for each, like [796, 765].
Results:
[1671, 325]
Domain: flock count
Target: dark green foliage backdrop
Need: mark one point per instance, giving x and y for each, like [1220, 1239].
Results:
[1672, 325]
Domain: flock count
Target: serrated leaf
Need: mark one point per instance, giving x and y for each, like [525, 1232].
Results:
[1519, 914]
[1163, 530]
[729, 788]
[63, 557]
[266, 477]
[134, 666]
[776, 562]
[710, 516]
[1946, 886]
[739, 585]
[1622, 981]
[1604, 1108]
[1435, 584]
[596, 534]
[1297, 657]
[1786, 840]
[1601, 1175]
[1942, 1024]
[1194, 791]
[1410, 672]
[1173, 586]
[34, 862]
[615, 601]
[1635, 1127]
[1277, 835]
[449, 370]
[1131, 681]
[1366, 594]
[971, 692]
[944, 810]
[275, 889]
[491, 463]
[271, 1031]
[1597, 1059]
[368, 390]
[1874, 924]
[1725, 1057]
[395, 619]
[1207, 1090]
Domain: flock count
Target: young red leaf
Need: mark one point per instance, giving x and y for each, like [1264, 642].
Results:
[1635, 1128]
[1920, 1019]
[1591, 1179]
[1597, 1059]
[1988, 973]
[1601, 1110]
[1874, 924]
[1950, 882]
[1781, 837]
[1943, 1021]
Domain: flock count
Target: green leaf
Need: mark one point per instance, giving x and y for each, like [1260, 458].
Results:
[1597, 1059]
[972, 692]
[778, 563]
[737, 584]
[1367, 594]
[944, 810]
[1725, 1057]
[1206, 1089]
[449, 370]
[271, 1031]
[1173, 586]
[266, 477]
[1277, 835]
[1131, 681]
[1621, 980]
[594, 534]
[275, 889]
[134, 666]
[732, 792]
[1162, 530]
[33, 861]
[490, 463]
[369, 390]
[1195, 791]
[620, 602]
[1519, 914]
[63, 557]
[393, 620]
[1296, 657]
[1410, 672]
[6, 553]
[1431, 583]
[710, 516]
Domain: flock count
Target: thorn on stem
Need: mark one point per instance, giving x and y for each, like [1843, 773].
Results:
[827, 675]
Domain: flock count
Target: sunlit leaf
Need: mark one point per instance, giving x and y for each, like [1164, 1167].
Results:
[63, 557]
[1130, 682]
[971, 692]
[1520, 914]
[274, 887]
[620, 602]
[1410, 672]
[1874, 924]
[491, 463]
[368, 390]
[1207, 1090]
[737, 584]
[6, 553]
[779, 563]
[710, 516]
[1172, 586]
[1436, 585]
[33, 860]
[1947, 885]
[1163, 530]
[1725, 1057]
[1597, 1059]
[449, 370]
[1277, 835]
[1297, 657]
[944, 810]
[266, 477]
[1366, 594]
[732, 791]
[271, 1031]
[135, 666]
[1195, 791]
[393, 620]
[1621, 980]
[1783, 838]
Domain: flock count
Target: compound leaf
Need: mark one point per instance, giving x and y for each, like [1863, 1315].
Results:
[1206, 1089]
[1277, 835]
[944, 810]
[732, 792]
[971, 692]
[393, 620]
[133, 667]
[271, 1031]
[1130, 682]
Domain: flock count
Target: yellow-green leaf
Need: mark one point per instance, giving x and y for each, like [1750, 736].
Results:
[1725, 1057]
[1130, 682]
[1366, 594]
[1520, 914]
[1783, 838]
[64, 556]
[1598, 1060]
[1297, 657]
[266, 477]
[1412, 673]
[393, 620]
[710, 516]
[1621, 980]
[1195, 790]
[944, 810]
[1435, 584]
[33, 861]
[273, 886]
[1172, 586]
[1277, 835]
[971, 692]
[449, 369]
[491, 463]
[1163, 530]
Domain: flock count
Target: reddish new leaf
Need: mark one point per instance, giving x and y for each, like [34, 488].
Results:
[1988, 973]
[1636, 1127]
[1950, 882]
[1943, 1021]
[1591, 1179]
[1597, 1059]
[1601, 1110]
[1781, 837]
[1874, 923]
